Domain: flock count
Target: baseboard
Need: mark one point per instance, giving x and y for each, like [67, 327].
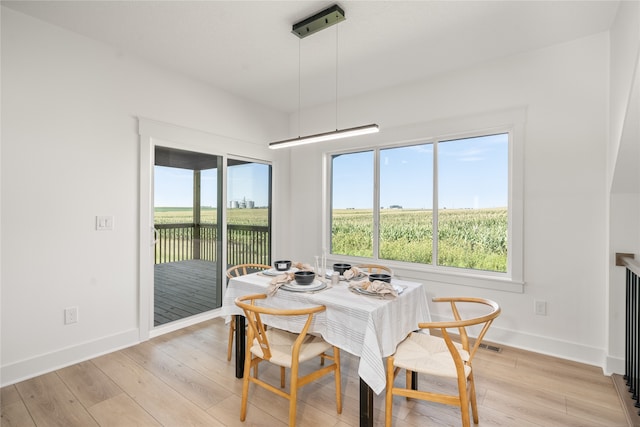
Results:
[553, 347]
[29, 368]
[614, 365]
[550, 346]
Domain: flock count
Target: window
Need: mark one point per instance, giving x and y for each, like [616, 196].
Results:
[248, 212]
[352, 214]
[442, 203]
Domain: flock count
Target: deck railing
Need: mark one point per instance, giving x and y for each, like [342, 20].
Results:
[180, 242]
[248, 244]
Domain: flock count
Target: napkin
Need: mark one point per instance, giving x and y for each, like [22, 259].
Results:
[378, 287]
[351, 273]
[302, 266]
[278, 281]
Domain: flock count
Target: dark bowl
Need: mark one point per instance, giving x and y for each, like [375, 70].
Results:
[380, 276]
[341, 268]
[304, 277]
[283, 265]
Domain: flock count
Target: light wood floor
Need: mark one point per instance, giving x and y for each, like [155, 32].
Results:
[184, 379]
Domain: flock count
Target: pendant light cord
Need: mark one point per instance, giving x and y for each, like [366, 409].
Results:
[299, 79]
[336, 77]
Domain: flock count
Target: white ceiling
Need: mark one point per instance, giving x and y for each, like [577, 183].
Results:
[247, 48]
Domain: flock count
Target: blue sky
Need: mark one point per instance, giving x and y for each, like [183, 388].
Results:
[174, 187]
[473, 173]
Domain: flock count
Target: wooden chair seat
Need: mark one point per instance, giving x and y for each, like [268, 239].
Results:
[281, 342]
[428, 354]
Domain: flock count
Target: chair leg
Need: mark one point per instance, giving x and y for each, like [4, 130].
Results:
[464, 402]
[281, 376]
[472, 393]
[408, 381]
[245, 386]
[293, 394]
[232, 329]
[389, 392]
[338, 375]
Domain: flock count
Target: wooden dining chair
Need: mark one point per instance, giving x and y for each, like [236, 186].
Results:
[235, 271]
[284, 349]
[443, 357]
[375, 268]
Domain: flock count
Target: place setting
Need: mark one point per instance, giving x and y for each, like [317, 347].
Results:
[376, 288]
[346, 272]
[363, 283]
[294, 277]
[282, 266]
[375, 284]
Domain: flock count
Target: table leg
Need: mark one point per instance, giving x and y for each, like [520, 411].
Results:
[240, 345]
[414, 380]
[366, 405]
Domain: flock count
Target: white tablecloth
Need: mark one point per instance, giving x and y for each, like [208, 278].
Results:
[365, 326]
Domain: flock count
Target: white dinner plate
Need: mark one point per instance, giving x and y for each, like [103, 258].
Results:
[294, 287]
[399, 290]
[274, 272]
[361, 275]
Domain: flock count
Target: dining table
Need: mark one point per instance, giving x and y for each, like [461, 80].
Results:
[366, 325]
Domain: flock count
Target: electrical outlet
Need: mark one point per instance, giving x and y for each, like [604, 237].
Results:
[540, 307]
[70, 315]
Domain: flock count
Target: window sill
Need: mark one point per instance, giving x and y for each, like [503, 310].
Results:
[449, 277]
[461, 279]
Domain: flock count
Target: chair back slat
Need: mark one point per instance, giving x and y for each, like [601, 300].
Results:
[257, 330]
[480, 337]
[462, 324]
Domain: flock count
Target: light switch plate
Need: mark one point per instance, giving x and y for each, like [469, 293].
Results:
[104, 223]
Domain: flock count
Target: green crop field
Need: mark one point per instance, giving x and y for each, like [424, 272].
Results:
[258, 216]
[467, 238]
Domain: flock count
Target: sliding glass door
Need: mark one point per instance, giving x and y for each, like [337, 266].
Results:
[188, 267]
[248, 212]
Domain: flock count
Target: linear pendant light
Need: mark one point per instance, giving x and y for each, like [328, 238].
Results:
[321, 20]
[326, 136]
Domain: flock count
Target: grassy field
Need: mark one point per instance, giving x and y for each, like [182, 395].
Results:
[256, 216]
[467, 238]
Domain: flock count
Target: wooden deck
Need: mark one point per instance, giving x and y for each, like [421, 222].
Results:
[183, 289]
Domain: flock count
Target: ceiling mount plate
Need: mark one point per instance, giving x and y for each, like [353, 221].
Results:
[319, 21]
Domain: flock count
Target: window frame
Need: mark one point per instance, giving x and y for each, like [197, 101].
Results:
[509, 122]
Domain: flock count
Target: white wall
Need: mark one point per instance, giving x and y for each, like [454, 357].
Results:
[564, 89]
[623, 154]
[625, 44]
[70, 151]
